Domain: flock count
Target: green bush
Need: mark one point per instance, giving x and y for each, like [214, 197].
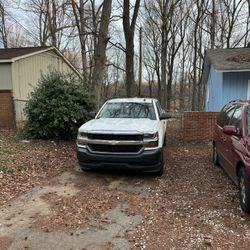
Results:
[57, 107]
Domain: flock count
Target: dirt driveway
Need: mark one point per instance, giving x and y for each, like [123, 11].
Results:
[192, 206]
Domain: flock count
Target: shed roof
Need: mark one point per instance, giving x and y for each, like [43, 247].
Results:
[11, 53]
[236, 59]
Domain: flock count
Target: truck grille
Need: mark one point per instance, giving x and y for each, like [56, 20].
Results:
[111, 137]
[115, 148]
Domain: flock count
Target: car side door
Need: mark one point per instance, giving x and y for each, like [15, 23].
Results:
[234, 143]
[220, 137]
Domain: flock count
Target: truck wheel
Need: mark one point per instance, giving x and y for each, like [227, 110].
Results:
[160, 172]
[165, 141]
[244, 191]
[85, 169]
[215, 156]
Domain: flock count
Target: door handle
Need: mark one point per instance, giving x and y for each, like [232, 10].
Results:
[223, 138]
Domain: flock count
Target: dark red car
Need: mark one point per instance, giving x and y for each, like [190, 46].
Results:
[231, 146]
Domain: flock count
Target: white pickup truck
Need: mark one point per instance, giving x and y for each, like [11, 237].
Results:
[127, 133]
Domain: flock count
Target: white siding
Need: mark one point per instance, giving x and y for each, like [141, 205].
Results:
[5, 76]
[26, 73]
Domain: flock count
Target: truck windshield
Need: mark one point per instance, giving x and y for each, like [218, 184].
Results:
[128, 110]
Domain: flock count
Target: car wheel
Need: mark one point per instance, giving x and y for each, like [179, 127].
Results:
[215, 156]
[244, 191]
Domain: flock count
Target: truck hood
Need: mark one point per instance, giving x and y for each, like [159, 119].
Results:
[120, 125]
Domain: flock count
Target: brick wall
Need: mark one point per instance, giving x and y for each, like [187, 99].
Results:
[199, 125]
[6, 110]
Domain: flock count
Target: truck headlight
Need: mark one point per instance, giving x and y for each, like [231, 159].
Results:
[150, 136]
[82, 135]
[82, 139]
[151, 140]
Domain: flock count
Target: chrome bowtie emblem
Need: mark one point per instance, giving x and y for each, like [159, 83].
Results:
[114, 142]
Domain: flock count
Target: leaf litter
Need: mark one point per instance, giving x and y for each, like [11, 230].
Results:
[194, 205]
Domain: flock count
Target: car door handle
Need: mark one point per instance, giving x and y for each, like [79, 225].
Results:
[223, 138]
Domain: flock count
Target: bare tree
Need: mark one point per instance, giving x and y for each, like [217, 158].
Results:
[200, 12]
[79, 14]
[3, 31]
[129, 29]
[176, 34]
[152, 43]
[178, 19]
[50, 20]
[100, 51]
[165, 27]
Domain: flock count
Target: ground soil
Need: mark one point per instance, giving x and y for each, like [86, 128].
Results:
[48, 203]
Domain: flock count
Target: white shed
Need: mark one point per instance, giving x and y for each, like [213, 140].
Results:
[20, 70]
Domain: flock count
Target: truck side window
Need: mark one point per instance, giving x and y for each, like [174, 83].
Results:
[159, 109]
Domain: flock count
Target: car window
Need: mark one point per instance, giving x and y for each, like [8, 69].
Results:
[225, 115]
[128, 110]
[248, 120]
[236, 119]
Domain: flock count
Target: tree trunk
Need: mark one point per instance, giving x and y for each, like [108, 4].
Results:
[163, 69]
[80, 24]
[3, 26]
[140, 62]
[52, 22]
[182, 90]
[129, 30]
[213, 24]
[130, 78]
[100, 51]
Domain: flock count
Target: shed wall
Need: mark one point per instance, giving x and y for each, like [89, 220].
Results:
[214, 91]
[235, 86]
[6, 110]
[27, 71]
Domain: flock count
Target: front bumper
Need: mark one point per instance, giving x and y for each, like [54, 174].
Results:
[147, 160]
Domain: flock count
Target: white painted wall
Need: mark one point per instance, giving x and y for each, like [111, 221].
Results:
[27, 71]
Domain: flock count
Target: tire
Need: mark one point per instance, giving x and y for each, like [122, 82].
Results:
[161, 169]
[85, 169]
[160, 172]
[244, 191]
[216, 161]
[165, 141]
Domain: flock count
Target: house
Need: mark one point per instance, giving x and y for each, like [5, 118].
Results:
[20, 70]
[226, 76]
